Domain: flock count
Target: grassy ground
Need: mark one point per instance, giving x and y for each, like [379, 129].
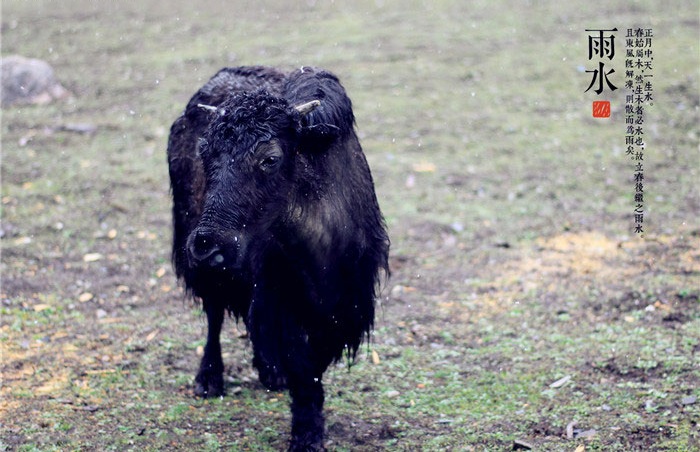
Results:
[522, 307]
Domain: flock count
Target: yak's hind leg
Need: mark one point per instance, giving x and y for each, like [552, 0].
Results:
[210, 378]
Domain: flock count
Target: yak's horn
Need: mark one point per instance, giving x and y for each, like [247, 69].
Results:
[208, 107]
[308, 107]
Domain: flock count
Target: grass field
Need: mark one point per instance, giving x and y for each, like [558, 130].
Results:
[523, 311]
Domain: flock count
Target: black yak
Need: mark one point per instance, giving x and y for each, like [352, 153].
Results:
[276, 221]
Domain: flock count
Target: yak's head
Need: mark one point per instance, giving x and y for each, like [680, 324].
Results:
[248, 153]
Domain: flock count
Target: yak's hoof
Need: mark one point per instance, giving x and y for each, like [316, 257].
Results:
[208, 385]
[272, 381]
[270, 375]
[305, 446]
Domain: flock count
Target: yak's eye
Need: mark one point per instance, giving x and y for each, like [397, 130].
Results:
[269, 154]
[269, 162]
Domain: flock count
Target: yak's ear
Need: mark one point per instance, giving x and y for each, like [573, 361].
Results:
[315, 133]
[307, 107]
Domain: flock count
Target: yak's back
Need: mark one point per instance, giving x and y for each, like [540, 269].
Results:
[231, 81]
[297, 87]
[245, 78]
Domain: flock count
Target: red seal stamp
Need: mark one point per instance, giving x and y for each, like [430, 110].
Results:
[601, 109]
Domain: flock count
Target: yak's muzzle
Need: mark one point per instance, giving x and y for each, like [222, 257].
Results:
[208, 248]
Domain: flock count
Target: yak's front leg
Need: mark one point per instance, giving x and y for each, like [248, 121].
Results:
[284, 357]
[210, 379]
[307, 414]
[304, 373]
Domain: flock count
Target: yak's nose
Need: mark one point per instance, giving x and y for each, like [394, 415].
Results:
[203, 247]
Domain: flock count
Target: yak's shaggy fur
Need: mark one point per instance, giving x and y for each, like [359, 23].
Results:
[276, 221]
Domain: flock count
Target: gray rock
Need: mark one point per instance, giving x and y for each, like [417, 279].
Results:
[29, 81]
